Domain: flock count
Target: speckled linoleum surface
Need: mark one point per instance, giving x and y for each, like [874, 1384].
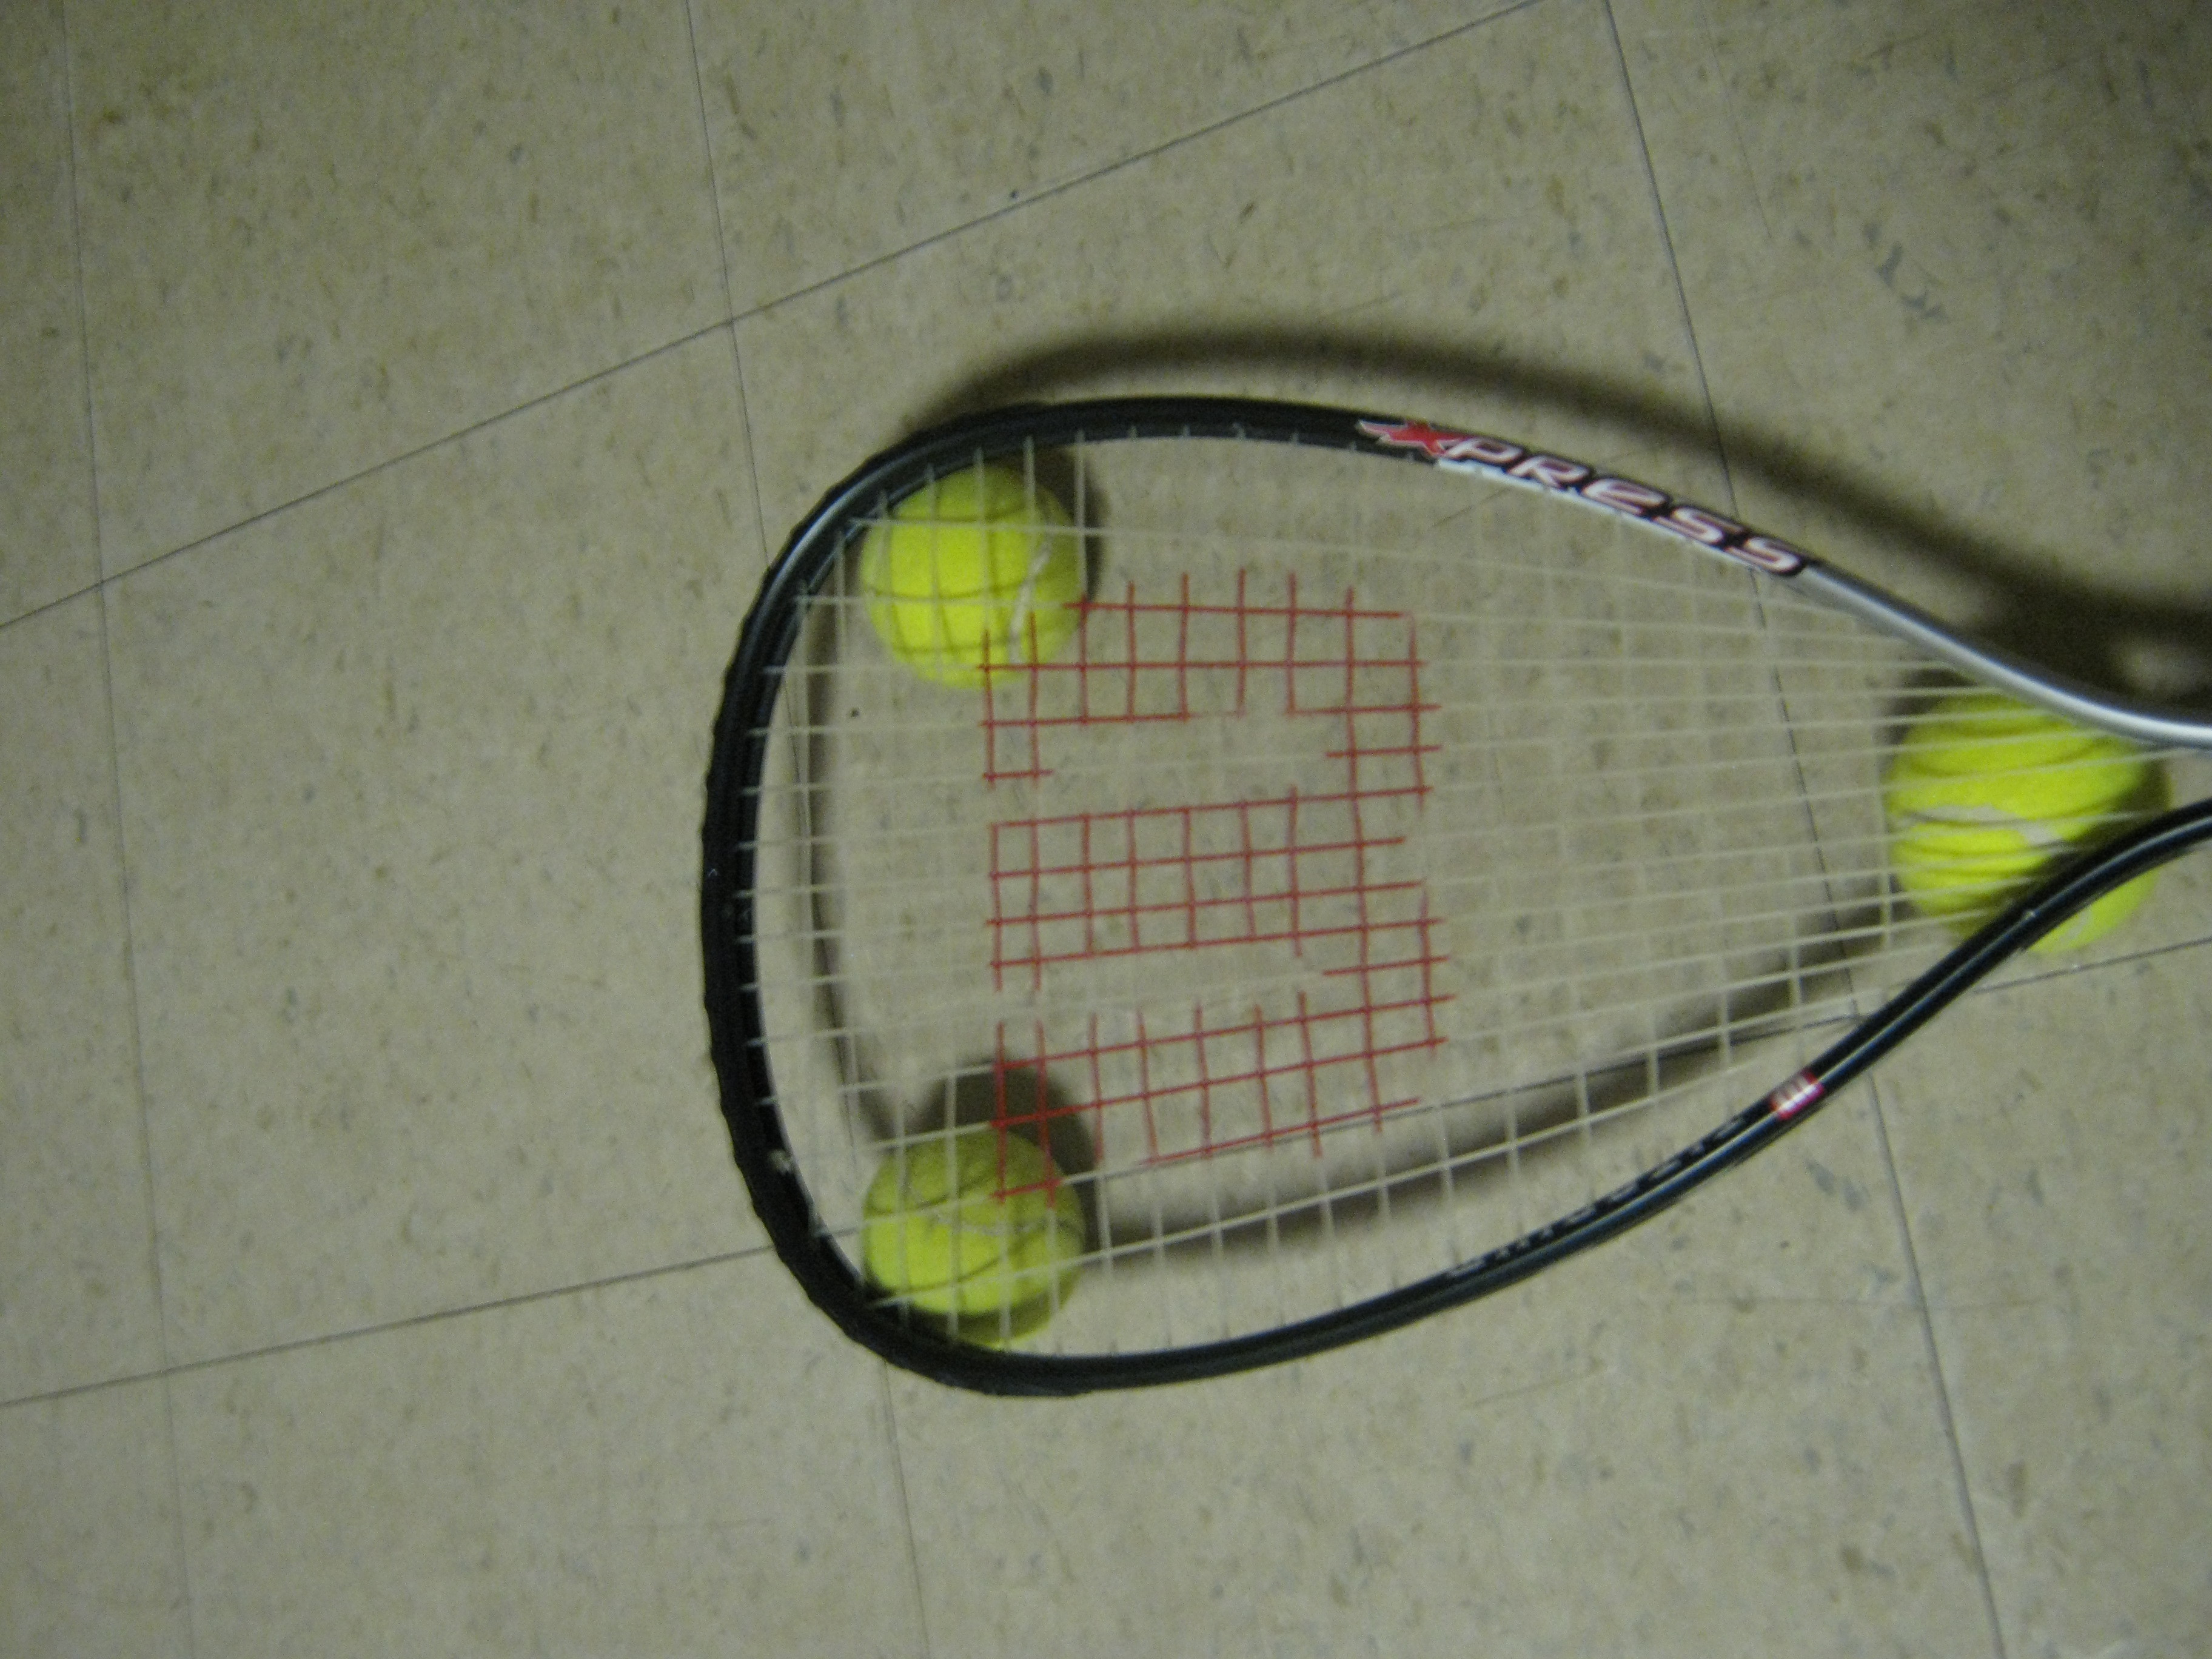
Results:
[398, 407]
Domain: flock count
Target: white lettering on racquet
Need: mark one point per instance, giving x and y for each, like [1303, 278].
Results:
[1472, 451]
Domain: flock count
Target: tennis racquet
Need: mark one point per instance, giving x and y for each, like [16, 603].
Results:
[1382, 864]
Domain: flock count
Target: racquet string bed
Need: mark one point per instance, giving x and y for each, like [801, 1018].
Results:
[1390, 865]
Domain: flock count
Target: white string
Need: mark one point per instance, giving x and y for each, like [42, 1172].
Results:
[1641, 888]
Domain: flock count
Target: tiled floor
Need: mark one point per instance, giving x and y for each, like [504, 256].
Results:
[397, 405]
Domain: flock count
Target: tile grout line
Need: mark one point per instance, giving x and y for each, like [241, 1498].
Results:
[408, 1321]
[162, 1333]
[906, 1508]
[707, 144]
[1018, 203]
[417, 451]
[179, 1555]
[1735, 117]
[1881, 1130]
[1719, 439]
[731, 317]
[733, 314]
[1945, 1419]
[83, 310]
[768, 552]
[107, 694]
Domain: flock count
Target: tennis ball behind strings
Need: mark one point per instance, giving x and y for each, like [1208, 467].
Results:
[1986, 796]
[979, 570]
[974, 1227]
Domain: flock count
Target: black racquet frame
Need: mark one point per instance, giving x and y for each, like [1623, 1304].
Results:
[770, 633]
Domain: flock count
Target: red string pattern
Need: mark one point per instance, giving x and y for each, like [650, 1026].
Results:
[1300, 870]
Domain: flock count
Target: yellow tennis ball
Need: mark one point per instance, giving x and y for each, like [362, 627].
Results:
[980, 568]
[975, 1228]
[1987, 795]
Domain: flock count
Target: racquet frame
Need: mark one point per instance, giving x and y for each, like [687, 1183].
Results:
[742, 734]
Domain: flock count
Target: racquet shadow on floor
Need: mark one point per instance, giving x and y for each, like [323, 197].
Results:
[1493, 1140]
[1484, 1137]
[2159, 649]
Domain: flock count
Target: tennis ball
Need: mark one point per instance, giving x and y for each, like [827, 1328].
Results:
[976, 570]
[975, 1228]
[1986, 795]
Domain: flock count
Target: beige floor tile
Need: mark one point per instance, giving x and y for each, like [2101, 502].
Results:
[1716, 1437]
[410, 783]
[691, 1464]
[2057, 1159]
[91, 1559]
[1958, 274]
[77, 1301]
[1266, 256]
[412, 777]
[47, 545]
[318, 237]
[845, 132]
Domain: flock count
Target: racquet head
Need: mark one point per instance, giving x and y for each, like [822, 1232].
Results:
[1185, 887]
